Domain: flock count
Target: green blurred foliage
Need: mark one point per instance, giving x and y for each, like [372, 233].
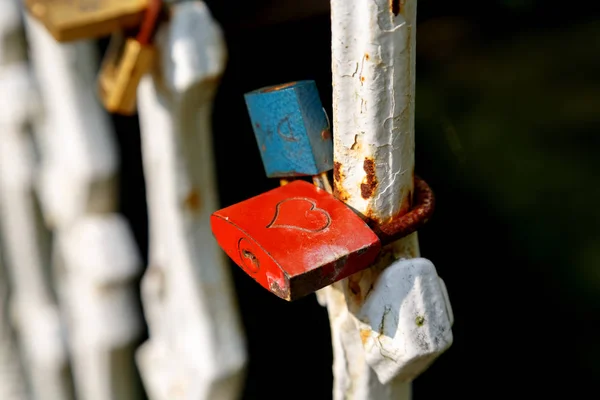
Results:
[509, 112]
[520, 120]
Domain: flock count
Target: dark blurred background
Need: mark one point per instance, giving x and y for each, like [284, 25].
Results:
[507, 134]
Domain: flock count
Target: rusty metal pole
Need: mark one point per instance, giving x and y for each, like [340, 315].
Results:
[373, 64]
[196, 349]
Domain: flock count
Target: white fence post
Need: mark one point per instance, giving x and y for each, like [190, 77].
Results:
[95, 258]
[35, 312]
[391, 321]
[196, 348]
[33, 308]
[12, 379]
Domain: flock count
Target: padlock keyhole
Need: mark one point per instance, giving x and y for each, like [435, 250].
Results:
[251, 256]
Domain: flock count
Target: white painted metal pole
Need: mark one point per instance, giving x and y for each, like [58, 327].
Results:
[35, 312]
[12, 378]
[392, 320]
[33, 309]
[95, 259]
[196, 349]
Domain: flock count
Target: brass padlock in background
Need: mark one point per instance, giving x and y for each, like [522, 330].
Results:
[126, 61]
[69, 20]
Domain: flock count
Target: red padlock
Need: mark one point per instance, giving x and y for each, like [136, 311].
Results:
[297, 238]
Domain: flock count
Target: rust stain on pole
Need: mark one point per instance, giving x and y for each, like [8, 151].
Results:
[370, 183]
[364, 335]
[354, 287]
[397, 6]
[337, 174]
[193, 201]
[407, 223]
[338, 178]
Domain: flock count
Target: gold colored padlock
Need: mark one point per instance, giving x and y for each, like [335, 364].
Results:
[126, 61]
[69, 20]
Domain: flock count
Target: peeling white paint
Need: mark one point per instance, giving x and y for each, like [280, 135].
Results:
[31, 309]
[95, 259]
[404, 322]
[79, 161]
[97, 297]
[373, 99]
[373, 64]
[196, 349]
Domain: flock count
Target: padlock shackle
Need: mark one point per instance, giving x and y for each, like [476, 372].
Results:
[150, 22]
[415, 218]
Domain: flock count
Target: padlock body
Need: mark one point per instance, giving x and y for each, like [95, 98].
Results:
[69, 20]
[291, 129]
[295, 239]
[125, 63]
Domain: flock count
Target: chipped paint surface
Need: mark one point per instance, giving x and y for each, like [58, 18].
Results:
[31, 328]
[94, 258]
[196, 347]
[278, 285]
[193, 201]
[373, 65]
[409, 222]
[369, 185]
[373, 104]
[412, 322]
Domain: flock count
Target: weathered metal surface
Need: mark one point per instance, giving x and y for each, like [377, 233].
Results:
[196, 348]
[295, 239]
[283, 261]
[95, 259]
[405, 322]
[373, 66]
[373, 104]
[70, 20]
[35, 312]
[31, 308]
[291, 129]
[416, 217]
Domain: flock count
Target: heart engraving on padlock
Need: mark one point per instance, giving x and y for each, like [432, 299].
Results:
[327, 241]
[300, 213]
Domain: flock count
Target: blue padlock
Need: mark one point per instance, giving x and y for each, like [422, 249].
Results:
[292, 129]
